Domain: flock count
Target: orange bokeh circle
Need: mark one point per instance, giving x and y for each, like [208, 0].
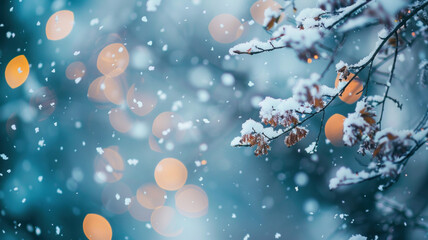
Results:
[258, 10]
[141, 103]
[170, 174]
[225, 28]
[139, 212]
[17, 71]
[96, 227]
[353, 91]
[154, 144]
[151, 196]
[119, 120]
[166, 221]
[59, 25]
[109, 166]
[113, 60]
[164, 124]
[96, 90]
[75, 70]
[334, 129]
[191, 201]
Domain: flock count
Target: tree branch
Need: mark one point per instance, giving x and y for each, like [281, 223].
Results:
[388, 85]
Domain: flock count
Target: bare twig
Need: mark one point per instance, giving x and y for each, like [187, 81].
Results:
[359, 69]
[333, 55]
[320, 130]
[366, 86]
[388, 85]
[348, 14]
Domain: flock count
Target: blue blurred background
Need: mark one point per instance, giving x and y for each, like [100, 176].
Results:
[48, 181]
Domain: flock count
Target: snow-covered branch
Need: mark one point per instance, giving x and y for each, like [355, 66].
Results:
[389, 149]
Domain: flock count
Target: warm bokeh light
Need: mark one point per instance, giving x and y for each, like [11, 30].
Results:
[139, 212]
[163, 124]
[170, 174]
[225, 28]
[59, 25]
[334, 129]
[17, 71]
[191, 201]
[151, 196]
[75, 70]
[113, 90]
[96, 227]
[109, 166]
[140, 103]
[96, 90]
[115, 197]
[353, 91]
[166, 221]
[258, 10]
[154, 144]
[113, 60]
[119, 120]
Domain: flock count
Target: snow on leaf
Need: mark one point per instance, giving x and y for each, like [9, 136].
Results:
[360, 125]
[295, 136]
[271, 18]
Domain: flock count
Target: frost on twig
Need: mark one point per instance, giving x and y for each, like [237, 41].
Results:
[271, 18]
[345, 176]
[361, 126]
[254, 134]
[386, 150]
[312, 25]
[302, 41]
[389, 149]
[309, 97]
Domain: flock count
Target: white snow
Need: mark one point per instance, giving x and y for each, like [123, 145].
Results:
[152, 5]
[3, 156]
[270, 107]
[355, 23]
[269, 15]
[250, 126]
[382, 35]
[307, 17]
[100, 150]
[357, 237]
[311, 148]
[286, 35]
[345, 176]
[132, 161]
[355, 121]
[328, 22]
[94, 21]
[184, 125]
